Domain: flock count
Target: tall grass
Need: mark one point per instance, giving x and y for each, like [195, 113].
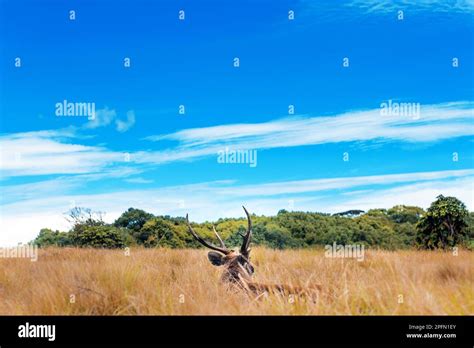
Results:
[183, 282]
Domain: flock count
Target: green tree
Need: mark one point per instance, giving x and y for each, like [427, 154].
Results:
[375, 229]
[133, 219]
[470, 227]
[48, 237]
[98, 237]
[444, 225]
[403, 213]
[160, 232]
[279, 237]
[406, 233]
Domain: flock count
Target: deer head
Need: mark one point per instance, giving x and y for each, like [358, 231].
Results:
[237, 266]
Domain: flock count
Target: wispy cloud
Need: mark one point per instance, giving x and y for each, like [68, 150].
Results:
[63, 184]
[139, 181]
[43, 153]
[316, 185]
[102, 118]
[364, 10]
[22, 220]
[52, 152]
[123, 126]
[391, 6]
[436, 122]
[105, 117]
[58, 152]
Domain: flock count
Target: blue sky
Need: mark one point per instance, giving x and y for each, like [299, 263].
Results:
[140, 151]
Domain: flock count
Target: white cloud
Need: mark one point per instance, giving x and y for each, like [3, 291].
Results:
[365, 10]
[123, 126]
[418, 194]
[39, 154]
[22, 220]
[102, 118]
[139, 181]
[392, 6]
[106, 116]
[316, 185]
[51, 152]
[436, 122]
[62, 185]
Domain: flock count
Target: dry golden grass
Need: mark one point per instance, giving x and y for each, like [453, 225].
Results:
[183, 282]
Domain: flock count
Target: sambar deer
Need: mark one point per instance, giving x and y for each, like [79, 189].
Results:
[238, 269]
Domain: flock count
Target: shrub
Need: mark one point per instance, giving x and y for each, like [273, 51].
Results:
[98, 237]
[49, 237]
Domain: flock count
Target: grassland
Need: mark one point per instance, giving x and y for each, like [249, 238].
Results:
[183, 282]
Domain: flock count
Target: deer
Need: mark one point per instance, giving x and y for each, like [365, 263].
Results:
[238, 269]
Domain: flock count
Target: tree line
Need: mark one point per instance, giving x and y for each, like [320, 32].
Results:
[445, 224]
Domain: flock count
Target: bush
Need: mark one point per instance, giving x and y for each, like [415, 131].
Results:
[49, 237]
[159, 232]
[133, 219]
[98, 237]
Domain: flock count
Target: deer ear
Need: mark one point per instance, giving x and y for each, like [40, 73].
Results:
[215, 258]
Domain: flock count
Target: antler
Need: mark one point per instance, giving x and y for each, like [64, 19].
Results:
[222, 249]
[244, 249]
[218, 237]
